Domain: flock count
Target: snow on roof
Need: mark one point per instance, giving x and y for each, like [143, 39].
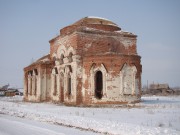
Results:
[97, 18]
[122, 31]
[109, 21]
[45, 60]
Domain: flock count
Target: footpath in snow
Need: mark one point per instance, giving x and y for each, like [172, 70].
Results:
[154, 115]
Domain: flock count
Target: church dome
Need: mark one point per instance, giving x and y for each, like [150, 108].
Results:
[97, 23]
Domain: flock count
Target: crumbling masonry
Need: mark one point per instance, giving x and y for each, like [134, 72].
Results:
[91, 62]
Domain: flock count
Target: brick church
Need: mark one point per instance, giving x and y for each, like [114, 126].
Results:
[91, 62]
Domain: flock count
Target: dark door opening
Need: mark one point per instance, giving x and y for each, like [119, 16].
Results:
[98, 85]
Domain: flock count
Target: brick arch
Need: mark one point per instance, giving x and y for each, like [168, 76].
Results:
[61, 50]
[94, 69]
[122, 66]
[70, 53]
[55, 70]
[71, 50]
[54, 56]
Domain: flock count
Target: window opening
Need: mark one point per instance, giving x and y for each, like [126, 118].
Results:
[69, 84]
[55, 81]
[62, 86]
[61, 59]
[98, 85]
[70, 57]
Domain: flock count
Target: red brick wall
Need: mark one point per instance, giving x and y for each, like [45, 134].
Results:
[112, 63]
[112, 49]
[93, 44]
[67, 41]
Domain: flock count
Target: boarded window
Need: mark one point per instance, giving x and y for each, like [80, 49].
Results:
[128, 79]
[98, 85]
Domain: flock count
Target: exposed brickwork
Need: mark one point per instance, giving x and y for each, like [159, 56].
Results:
[82, 49]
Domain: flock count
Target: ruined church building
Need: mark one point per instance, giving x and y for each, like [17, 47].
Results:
[91, 62]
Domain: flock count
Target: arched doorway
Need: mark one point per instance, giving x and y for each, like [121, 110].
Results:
[98, 85]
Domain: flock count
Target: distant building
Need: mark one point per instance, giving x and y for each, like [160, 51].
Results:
[5, 87]
[91, 62]
[11, 92]
[6, 91]
[159, 86]
[160, 89]
[2, 92]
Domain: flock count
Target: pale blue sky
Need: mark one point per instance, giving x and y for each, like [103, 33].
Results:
[26, 26]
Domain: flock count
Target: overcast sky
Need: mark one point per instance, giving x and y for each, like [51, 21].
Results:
[26, 26]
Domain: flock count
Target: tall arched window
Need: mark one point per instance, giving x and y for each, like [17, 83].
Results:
[99, 85]
[35, 81]
[55, 81]
[61, 59]
[69, 84]
[70, 57]
[26, 81]
[30, 82]
[62, 87]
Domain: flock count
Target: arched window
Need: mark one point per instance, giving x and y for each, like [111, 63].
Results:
[36, 71]
[62, 87]
[35, 81]
[69, 84]
[70, 57]
[30, 74]
[99, 85]
[61, 59]
[54, 58]
[26, 81]
[55, 81]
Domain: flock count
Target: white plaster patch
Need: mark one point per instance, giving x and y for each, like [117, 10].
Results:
[127, 79]
[87, 46]
[126, 41]
[84, 76]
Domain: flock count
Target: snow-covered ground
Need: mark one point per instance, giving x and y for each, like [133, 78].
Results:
[154, 115]
[11, 125]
